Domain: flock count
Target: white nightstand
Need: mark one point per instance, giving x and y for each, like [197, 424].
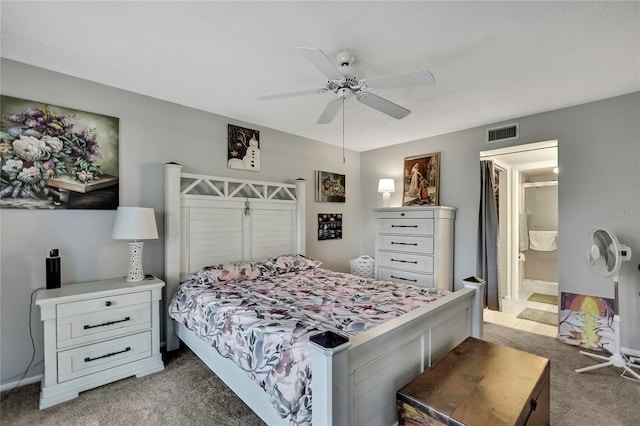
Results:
[98, 332]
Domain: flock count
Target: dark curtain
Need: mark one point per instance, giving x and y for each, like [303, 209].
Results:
[487, 251]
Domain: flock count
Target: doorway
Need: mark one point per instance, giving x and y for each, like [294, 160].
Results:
[526, 181]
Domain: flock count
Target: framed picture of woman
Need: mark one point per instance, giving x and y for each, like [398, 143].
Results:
[421, 180]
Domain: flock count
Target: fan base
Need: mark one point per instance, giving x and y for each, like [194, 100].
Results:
[615, 360]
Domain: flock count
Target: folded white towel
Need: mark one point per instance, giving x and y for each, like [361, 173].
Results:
[543, 240]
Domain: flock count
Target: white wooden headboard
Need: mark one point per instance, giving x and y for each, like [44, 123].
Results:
[211, 220]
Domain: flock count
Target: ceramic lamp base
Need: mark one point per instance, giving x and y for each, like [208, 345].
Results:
[386, 199]
[135, 261]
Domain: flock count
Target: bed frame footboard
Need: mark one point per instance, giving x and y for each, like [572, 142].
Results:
[355, 383]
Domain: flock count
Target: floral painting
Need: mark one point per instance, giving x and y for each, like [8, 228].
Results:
[587, 321]
[330, 187]
[422, 180]
[243, 150]
[57, 158]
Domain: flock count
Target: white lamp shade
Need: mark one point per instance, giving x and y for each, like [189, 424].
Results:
[135, 223]
[386, 185]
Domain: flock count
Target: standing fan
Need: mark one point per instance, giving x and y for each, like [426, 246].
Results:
[604, 256]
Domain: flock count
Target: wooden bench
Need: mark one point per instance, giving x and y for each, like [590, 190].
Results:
[479, 383]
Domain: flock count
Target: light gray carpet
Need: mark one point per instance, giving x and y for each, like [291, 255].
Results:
[187, 393]
[599, 397]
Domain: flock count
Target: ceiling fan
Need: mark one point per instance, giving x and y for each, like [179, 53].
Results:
[345, 81]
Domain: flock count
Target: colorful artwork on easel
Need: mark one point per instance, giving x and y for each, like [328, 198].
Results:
[587, 321]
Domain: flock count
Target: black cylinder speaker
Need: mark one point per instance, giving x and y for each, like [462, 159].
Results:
[53, 269]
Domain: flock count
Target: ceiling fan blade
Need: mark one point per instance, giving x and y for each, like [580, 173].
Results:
[382, 105]
[417, 78]
[330, 111]
[322, 62]
[293, 94]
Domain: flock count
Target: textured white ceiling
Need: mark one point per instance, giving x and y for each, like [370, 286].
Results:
[492, 61]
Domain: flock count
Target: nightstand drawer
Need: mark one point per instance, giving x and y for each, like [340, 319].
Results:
[102, 304]
[406, 226]
[90, 359]
[94, 326]
[409, 262]
[406, 243]
[405, 277]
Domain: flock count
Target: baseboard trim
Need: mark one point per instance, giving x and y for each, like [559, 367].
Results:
[23, 382]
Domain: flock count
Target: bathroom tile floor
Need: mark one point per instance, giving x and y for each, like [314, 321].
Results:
[512, 308]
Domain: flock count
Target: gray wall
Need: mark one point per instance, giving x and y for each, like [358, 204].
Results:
[599, 186]
[152, 132]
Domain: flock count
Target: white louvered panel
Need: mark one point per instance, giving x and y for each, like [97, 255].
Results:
[272, 233]
[215, 236]
[377, 383]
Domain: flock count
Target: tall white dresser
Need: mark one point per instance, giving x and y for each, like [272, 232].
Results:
[414, 245]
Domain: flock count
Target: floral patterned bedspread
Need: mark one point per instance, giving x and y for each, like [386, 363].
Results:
[261, 315]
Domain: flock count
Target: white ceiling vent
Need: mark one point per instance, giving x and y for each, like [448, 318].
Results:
[503, 133]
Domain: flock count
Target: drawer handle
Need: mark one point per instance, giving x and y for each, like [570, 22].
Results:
[404, 226]
[107, 355]
[404, 279]
[404, 244]
[108, 303]
[104, 324]
[415, 262]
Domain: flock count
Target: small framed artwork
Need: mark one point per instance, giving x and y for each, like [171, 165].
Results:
[330, 187]
[329, 226]
[243, 148]
[422, 180]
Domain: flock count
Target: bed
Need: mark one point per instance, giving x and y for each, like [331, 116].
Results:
[219, 221]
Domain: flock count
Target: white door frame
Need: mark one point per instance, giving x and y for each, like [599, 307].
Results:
[515, 192]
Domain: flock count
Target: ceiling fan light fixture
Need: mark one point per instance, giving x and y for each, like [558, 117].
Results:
[344, 93]
[345, 81]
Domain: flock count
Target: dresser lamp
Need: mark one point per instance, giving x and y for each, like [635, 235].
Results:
[135, 223]
[386, 186]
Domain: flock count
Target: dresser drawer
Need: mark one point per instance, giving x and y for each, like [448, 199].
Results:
[102, 304]
[405, 277]
[407, 214]
[91, 327]
[406, 226]
[409, 262]
[90, 359]
[406, 243]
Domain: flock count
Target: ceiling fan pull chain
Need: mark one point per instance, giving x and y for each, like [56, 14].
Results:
[343, 157]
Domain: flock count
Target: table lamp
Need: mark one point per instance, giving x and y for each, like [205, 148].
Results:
[386, 186]
[135, 223]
